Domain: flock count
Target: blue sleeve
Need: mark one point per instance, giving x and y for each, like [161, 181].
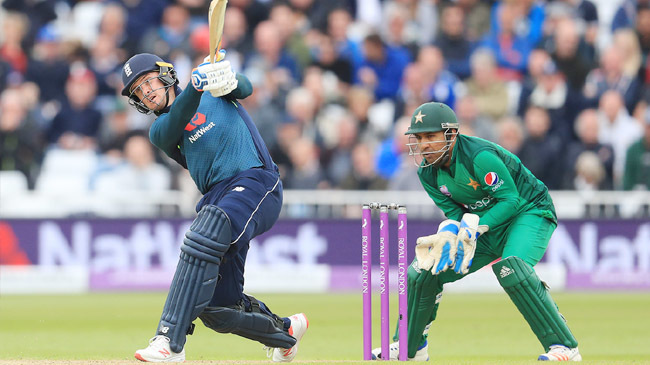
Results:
[460, 66]
[390, 78]
[167, 130]
[387, 162]
[536, 18]
[494, 18]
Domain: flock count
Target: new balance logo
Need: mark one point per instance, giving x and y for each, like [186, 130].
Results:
[287, 352]
[164, 329]
[505, 271]
[165, 352]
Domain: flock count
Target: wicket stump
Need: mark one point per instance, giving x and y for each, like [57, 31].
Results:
[384, 290]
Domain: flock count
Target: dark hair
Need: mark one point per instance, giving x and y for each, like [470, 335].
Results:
[375, 39]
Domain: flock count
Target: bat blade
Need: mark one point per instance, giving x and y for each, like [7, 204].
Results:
[216, 16]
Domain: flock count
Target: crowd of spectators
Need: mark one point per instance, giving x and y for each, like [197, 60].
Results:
[335, 83]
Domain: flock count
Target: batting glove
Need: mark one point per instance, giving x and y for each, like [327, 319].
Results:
[436, 252]
[468, 235]
[218, 78]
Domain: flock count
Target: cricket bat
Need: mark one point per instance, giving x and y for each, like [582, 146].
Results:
[216, 16]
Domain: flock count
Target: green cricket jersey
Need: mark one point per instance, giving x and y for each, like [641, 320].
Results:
[485, 179]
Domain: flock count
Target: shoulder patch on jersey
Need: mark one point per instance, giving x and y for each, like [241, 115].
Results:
[491, 178]
[445, 191]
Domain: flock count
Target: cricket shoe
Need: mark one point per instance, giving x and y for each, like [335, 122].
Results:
[159, 351]
[421, 355]
[299, 325]
[561, 353]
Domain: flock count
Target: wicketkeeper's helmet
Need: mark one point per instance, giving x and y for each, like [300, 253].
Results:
[139, 65]
[432, 117]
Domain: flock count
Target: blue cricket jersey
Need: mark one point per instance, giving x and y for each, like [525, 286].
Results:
[213, 137]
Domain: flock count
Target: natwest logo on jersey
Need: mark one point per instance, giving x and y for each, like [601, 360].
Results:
[196, 121]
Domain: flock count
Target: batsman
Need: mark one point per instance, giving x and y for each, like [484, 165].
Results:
[211, 135]
[497, 210]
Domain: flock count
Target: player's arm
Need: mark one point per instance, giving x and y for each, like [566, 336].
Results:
[437, 252]
[244, 87]
[504, 191]
[167, 130]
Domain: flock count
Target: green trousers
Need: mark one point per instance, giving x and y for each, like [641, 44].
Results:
[526, 237]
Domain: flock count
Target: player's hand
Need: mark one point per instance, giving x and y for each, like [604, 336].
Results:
[436, 252]
[218, 78]
[468, 235]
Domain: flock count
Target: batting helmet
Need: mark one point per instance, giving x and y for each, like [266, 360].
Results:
[139, 65]
[142, 63]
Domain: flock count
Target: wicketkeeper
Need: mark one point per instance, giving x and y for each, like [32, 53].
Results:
[496, 209]
[211, 135]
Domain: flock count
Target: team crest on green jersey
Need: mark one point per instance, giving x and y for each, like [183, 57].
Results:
[473, 183]
[444, 190]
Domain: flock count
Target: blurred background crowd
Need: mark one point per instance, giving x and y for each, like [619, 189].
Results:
[563, 84]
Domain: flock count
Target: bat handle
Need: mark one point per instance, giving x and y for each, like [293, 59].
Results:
[219, 56]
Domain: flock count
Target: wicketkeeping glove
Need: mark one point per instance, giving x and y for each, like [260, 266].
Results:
[468, 235]
[218, 77]
[436, 252]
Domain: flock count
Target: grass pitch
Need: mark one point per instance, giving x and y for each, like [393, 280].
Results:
[470, 329]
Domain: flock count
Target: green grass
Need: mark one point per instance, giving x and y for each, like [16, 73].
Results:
[471, 328]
